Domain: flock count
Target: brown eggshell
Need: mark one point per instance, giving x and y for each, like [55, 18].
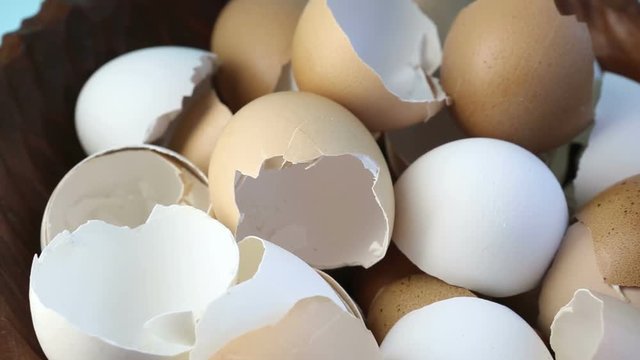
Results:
[253, 42]
[308, 176]
[574, 268]
[325, 62]
[405, 295]
[519, 71]
[613, 217]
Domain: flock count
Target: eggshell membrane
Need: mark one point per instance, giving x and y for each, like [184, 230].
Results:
[596, 327]
[253, 42]
[485, 203]
[609, 157]
[275, 156]
[386, 83]
[268, 274]
[405, 295]
[613, 217]
[315, 328]
[574, 268]
[519, 71]
[199, 125]
[442, 13]
[108, 292]
[463, 328]
[121, 186]
[132, 99]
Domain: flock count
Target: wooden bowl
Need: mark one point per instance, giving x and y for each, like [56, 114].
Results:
[44, 65]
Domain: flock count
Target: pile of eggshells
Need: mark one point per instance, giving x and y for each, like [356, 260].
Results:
[302, 115]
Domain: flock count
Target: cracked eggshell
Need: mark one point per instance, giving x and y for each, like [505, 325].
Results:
[301, 171]
[109, 292]
[485, 203]
[463, 328]
[122, 186]
[315, 328]
[133, 98]
[596, 327]
[253, 42]
[268, 274]
[503, 86]
[374, 57]
[611, 154]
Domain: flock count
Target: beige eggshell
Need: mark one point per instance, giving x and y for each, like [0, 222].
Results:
[519, 71]
[574, 268]
[253, 42]
[122, 186]
[315, 328]
[199, 125]
[376, 61]
[613, 217]
[307, 175]
[405, 295]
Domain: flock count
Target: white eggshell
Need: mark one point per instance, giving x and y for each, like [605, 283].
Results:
[612, 152]
[108, 292]
[271, 281]
[482, 214]
[463, 328]
[593, 326]
[132, 99]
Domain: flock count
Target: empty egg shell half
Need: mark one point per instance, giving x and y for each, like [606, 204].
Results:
[133, 98]
[301, 171]
[593, 326]
[177, 286]
[611, 154]
[463, 328]
[374, 57]
[253, 42]
[122, 186]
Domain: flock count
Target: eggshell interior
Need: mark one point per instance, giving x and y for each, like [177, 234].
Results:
[596, 327]
[315, 328]
[132, 99]
[107, 292]
[608, 157]
[463, 328]
[121, 187]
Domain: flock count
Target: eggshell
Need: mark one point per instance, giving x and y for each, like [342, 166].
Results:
[463, 328]
[133, 98]
[613, 217]
[442, 13]
[199, 125]
[315, 328]
[108, 292]
[347, 301]
[484, 203]
[596, 327]
[609, 157]
[375, 57]
[271, 281]
[574, 268]
[122, 186]
[253, 42]
[519, 71]
[405, 295]
[283, 170]
[405, 146]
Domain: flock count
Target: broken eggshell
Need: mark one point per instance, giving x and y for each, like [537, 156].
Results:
[133, 98]
[315, 328]
[108, 292]
[610, 155]
[121, 187]
[374, 57]
[463, 328]
[303, 172]
[253, 42]
[596, 327]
